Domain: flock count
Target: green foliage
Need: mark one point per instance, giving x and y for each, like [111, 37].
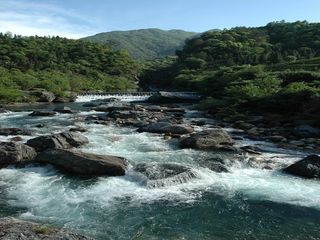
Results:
[268, 67]
[144, 44]
[42, 229]
[60, 64]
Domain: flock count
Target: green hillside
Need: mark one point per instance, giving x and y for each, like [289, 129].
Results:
[275, 67]
[144, 44]
[60, 65]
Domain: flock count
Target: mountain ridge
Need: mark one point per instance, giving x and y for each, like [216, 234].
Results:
[144, 44]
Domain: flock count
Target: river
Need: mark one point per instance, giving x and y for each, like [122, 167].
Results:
[243, 203]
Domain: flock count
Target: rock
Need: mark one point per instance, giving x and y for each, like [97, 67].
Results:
[164, 127]
[15, 131]
[306, 131]
[244, 125]
[173, 97]
[114, 106]
[297, 143]
[15, 153]
[40, 125]
[166, 174]
[77, 162]
[277, 138]
[14, 229]
[58, 141]
[2, 110]
[16, 139]
[215, 139]
[65, 110]
[251, 149]
[42, 95]
[308, 167]
[71, 97]
[42, 113]
[77, 129]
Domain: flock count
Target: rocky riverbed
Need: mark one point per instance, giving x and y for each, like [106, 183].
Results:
[110, 169]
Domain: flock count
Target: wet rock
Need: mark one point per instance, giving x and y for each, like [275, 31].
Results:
[77, 162]
[307, 131]
[58, 141]
[2, 110]
[277, 138]
[14, 229]
[308, 167]
[167, 174]
[251, 149]
[164, 127]
[114, 106]
[40, 125]
[173, 97]
[16, 139]
[42, 113]
[15, 131]
[215, 139]
[65, 110]
[15, 153]
[77, 129]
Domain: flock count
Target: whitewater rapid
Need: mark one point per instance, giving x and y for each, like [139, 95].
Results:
[42, 193]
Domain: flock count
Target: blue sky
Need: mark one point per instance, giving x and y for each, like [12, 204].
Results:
[78, 18]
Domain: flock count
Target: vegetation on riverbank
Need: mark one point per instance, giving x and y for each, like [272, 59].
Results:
[59, 65]
[275, 68]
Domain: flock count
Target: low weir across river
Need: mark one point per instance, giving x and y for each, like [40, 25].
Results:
[124, 96]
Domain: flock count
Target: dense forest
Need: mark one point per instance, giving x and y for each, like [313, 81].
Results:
[60, 65]
[144, 44]
[275, 67]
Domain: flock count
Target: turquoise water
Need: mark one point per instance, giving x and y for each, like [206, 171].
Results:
[245, 203]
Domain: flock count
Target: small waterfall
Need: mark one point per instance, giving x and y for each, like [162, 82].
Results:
[122, 97]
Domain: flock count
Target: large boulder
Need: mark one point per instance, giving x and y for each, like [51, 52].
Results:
[63, 140]
[165, 127]
[42, 95]
[308, 167]
[15, 229]
[166, 174]
[214, 139]
[77, 162]
[114, 106]
[15, 153]
[173, 97]
[14, 131]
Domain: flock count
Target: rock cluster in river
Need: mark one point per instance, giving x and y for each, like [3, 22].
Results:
[15, 229]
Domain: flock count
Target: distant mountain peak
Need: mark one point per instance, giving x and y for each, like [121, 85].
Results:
[145, 44]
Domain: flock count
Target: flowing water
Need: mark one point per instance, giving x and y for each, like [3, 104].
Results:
[244, 203]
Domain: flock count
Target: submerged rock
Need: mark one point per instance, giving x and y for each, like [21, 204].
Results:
[15, 153]
[308, 167]
[42, 113]
[15, 131]
[167, 174]
[215, 139]
[164, 127]
[307, 131]
[77, 162]
[14, 229]
[63, 140]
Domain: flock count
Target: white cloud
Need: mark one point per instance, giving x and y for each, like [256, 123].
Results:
[29, 18]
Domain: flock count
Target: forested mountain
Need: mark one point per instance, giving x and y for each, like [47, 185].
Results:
[280, 61]
[144, 44]
[59, 65]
